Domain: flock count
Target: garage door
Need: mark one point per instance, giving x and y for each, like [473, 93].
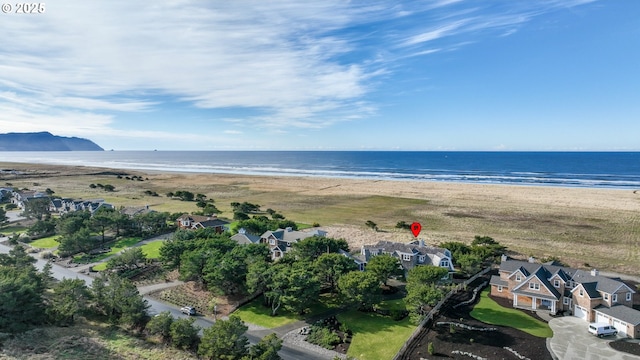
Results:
[601, 318]
[580, 312]
[620, 326]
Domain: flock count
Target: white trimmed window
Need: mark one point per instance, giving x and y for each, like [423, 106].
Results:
[444, 263]
[534, 286]
[614, 298]
[421, 258]
[406, 257]
[518, 278]
[565, 301]
[499, 288]
[628, 296]
[581, 293]
[556, 283]
[606, 296]
[272, 241]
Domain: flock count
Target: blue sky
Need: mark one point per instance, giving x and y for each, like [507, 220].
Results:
[333, 75]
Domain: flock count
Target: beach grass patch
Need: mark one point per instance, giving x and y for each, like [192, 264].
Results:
[375, 337]
[490, 312]
[258, 314]
[46, 242]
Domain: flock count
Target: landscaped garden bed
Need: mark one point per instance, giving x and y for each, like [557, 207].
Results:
[455, 334]
[330, 334]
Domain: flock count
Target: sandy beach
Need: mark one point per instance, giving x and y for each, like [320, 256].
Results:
[584, 227]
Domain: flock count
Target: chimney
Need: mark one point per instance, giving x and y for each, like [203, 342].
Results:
[242, 231]
[421, 243]
[532, 259]
[289, 229]
[503, 258]
[594, 272]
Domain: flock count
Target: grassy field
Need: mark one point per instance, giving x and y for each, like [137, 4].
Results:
[375, 337]
[585, 228]
[46, 243]
[488, 311]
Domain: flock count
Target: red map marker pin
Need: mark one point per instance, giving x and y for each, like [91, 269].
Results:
[415, 229]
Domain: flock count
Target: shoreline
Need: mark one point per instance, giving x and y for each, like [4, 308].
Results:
[594, 226]
[5, 165]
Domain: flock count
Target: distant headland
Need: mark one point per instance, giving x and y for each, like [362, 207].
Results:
[45, 141]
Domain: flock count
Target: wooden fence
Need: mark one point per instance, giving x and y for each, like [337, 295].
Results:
[435, 310]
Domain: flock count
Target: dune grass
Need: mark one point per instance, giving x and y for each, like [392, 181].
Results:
[375, 337]
[46, 242]
[490, 312]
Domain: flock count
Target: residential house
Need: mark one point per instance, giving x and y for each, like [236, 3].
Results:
[243, 237]
[410, 254]
[132, 211]
[20, 197]
[65, 205]
[281, 240]
[193, 222]
[587, 295]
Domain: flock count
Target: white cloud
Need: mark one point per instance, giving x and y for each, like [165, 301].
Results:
[293, 62]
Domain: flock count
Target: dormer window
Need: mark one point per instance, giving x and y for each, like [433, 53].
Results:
[406, 257]
[518, 278]
[534, 286]
[556, 283]
[444, 263]
[421, 258]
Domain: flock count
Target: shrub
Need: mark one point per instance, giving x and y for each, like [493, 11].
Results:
[430, 349]
[315, 224]
[398, 315]
[324, 337]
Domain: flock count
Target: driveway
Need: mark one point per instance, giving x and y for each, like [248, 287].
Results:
[571, 340]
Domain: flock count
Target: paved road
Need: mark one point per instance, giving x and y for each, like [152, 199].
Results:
[572, 341]
[288, 351]
[14, 215]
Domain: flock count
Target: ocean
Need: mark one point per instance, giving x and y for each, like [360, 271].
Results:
[620, 170]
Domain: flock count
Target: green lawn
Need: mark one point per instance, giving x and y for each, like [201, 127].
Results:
[375, 337]
[152, 250]
[115, 248]
[9, 230]
[255, 313]
[46, 243]
[397, 304]
[100, 267]
[488, 311]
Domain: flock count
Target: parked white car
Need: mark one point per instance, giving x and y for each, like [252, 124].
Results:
[188, 310]
[600, 329]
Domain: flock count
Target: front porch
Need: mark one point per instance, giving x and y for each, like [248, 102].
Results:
[535, 303]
